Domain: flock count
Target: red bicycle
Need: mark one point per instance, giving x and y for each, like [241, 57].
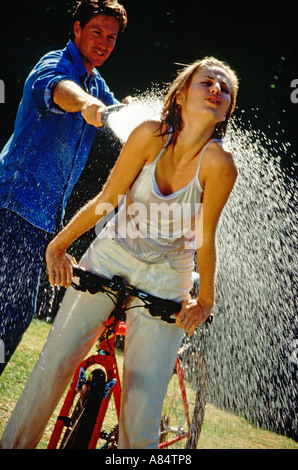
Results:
[89, 418]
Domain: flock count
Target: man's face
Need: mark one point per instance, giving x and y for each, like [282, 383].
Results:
[96, 40]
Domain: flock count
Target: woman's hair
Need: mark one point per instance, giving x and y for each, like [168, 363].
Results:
[171, 115]
[87, 9]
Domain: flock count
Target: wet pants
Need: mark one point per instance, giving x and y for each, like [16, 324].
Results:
[22, 248]
[150, 351]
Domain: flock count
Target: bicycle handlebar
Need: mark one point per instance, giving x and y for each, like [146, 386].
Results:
[157, 306]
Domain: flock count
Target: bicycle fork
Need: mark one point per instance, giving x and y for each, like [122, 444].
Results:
[113, 386]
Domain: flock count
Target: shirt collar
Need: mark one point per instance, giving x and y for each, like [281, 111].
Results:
[77, 61]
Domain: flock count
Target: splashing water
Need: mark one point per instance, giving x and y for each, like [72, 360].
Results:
[251, 349]
[124, 121]
[253, 366]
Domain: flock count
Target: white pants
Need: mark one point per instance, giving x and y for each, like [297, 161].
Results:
[150, 350]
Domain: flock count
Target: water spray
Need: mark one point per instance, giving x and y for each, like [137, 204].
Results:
[111, 109]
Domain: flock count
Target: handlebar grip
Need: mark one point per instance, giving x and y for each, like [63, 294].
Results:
[88, 281]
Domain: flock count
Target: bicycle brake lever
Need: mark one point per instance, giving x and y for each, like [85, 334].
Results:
[88, 281]
[78, 287]
[157, 311]
[168, 319]
[78, 272]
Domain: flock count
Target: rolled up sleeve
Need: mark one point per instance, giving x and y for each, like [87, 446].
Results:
[46, 75]
[49, 92]
[55, 67]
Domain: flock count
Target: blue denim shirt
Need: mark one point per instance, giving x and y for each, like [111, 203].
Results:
[43, 159]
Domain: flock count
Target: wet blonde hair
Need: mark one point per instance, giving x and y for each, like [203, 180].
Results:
[171, 115]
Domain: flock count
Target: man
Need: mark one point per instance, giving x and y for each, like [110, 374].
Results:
[63, 101]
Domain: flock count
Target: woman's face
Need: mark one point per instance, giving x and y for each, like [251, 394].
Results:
[210, 93]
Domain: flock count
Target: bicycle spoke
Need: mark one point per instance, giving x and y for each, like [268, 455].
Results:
[184, 404]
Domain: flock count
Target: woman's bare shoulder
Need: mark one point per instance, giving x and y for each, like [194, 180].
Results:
[218, 165]
[147, 138]
[220, 157]
[148, 128]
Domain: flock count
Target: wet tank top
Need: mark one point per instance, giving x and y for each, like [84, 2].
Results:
[154, 227]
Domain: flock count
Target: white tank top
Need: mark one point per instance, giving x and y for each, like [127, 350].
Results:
[156, 228]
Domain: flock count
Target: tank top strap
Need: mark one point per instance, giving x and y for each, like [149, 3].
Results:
[162, 150]
[202, 154]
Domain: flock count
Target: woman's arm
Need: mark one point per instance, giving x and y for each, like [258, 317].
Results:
[220, 176]
[130, 162]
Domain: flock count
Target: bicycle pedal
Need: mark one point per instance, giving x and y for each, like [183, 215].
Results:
[81, 379]
[103, 352]
[66, 420]
[108, 387]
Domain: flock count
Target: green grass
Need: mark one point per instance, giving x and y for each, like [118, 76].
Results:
[221, 430]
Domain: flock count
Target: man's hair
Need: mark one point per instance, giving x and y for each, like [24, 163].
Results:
[88, 9]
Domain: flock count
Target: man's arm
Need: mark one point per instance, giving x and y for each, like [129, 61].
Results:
[72, 98]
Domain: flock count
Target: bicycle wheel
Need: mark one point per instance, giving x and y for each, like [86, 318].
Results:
[84, 416]
[184, 404]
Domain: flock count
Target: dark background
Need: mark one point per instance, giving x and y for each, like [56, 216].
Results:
[257, 38]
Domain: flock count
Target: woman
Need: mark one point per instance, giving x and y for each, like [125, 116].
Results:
[178, 160]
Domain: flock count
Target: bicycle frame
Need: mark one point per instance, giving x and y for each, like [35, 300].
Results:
[106, 358]
[179, 370]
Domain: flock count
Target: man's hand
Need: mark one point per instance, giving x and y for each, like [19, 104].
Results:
[72, 98]
[92, 112]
